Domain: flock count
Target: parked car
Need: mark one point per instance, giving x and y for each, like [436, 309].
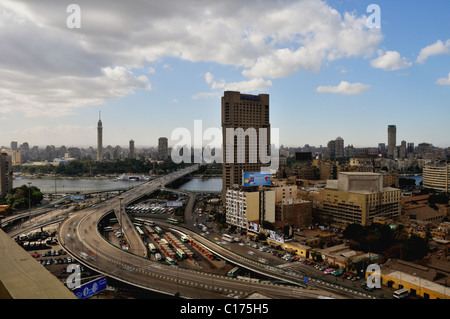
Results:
[338, 273]
[328, 271]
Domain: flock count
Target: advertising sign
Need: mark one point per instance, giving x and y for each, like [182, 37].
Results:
[253, 227]
[256, 179]
[288, 232]
[90, 288]
[174, 204]
[276, 237]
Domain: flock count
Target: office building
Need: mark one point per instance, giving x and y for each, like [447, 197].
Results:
[339, 147]
[6, 174]
[244, 117]
[244, 207]
[382, 148]
[335, 148]
[437, 176]
[163, 148]
[402, 150]
[14, 146]
[131, 151]
[296, 213]
[358, 198]
[392, 141]
[99, 139]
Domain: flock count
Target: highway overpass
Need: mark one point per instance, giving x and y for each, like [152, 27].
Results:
[79, 235]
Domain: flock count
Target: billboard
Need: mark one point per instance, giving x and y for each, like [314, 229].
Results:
[253, 227]
[288, 232]
[174, 204]
[256, 179]
[90, 288]
[276, 237]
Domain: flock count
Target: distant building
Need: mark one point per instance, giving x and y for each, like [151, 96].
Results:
[392, 141]
[6, 174]
[14, 146]
[437, 176]
[131, 151]
[163, 148]
[99, 140]
[339, 147]
[359, 197]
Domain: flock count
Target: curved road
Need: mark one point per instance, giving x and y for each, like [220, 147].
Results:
[80, 237]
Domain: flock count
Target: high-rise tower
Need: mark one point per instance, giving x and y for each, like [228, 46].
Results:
[163, 148]
[248, 113]
[99, 139]
[392, 140]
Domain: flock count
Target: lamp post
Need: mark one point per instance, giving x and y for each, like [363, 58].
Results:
[29, 201]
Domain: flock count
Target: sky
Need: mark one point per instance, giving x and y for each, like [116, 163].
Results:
[332, 68]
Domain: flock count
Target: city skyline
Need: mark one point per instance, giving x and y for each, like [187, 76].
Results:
[149, 74]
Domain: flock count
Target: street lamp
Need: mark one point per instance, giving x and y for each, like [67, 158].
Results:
[29, 201]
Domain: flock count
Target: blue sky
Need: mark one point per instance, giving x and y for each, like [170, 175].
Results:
[153, 66]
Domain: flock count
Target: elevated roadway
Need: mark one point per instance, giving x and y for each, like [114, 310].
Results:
[79, 235]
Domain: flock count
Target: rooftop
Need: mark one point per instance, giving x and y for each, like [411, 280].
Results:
[22, 277]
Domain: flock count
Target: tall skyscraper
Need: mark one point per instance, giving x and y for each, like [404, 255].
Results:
[6, 174]
[163, 148]
[99, 139]
[392, 140]
[131, 153]
[14, 146]
[339, 147]
[243, 115]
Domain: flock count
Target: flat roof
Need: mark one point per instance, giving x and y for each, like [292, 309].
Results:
[22, 277]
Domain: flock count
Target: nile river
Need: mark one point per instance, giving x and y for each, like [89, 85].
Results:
[62, 186]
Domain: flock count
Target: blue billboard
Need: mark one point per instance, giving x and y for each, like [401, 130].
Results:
[256, 179]
[174, 204]
[90, 288]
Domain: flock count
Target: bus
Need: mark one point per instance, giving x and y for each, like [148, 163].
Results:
[401, 293]
[170, 261]
[172, 220]
[233, 272]
[141, 233]
[152, 248]
[158, 230]
[180, 253]
[228, 238]
[184, 238]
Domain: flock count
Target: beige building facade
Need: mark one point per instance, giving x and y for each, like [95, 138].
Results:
[359, 198]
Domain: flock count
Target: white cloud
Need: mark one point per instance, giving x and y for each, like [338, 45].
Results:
[390, 61]
[61, 95]
[47, 69]
[444, 81]
[436, 48]
[344, 88]
[252, 85]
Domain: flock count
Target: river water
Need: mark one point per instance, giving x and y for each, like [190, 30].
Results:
[62, 186]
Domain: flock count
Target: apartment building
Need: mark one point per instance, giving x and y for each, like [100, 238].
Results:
[358, 198]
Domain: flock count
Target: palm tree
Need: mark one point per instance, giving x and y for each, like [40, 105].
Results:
[400, 233]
